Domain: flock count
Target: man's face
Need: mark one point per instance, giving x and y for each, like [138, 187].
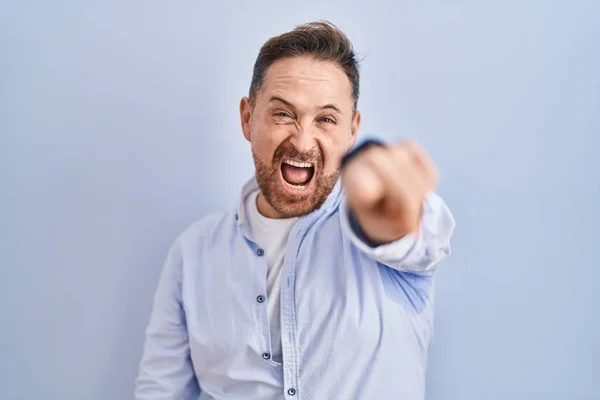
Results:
[301, 124]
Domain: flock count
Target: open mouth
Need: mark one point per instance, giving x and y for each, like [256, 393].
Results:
[297, 174]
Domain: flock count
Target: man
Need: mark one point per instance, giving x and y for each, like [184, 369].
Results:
[316, 287]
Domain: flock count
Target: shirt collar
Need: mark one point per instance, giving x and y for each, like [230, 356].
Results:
[333, 200]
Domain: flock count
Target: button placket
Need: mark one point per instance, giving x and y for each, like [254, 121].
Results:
[289, 329]
[263, 319]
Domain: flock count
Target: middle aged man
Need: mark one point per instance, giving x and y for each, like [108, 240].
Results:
[316, 287]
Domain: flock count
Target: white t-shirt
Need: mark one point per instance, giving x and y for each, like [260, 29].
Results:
[271, 235]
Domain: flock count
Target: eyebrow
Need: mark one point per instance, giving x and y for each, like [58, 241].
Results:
[281, 100]
[332, 107]
[289, 104]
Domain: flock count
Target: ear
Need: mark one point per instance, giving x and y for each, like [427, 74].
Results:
[354, 129]
[246, 117]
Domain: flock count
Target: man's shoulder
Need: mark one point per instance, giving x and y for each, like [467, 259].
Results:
[212, 226]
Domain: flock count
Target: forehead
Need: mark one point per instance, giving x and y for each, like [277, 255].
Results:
[307, 82]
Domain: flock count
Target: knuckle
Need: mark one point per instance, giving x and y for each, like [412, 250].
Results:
[375, 155]
[413, 145]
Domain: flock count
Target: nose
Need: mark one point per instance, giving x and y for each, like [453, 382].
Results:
[304, 139]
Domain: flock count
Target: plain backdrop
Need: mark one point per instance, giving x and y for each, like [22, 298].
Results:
[119, 127]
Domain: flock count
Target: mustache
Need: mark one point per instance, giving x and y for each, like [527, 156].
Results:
[288, 150]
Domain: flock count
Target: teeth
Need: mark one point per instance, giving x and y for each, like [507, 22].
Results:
[297, 187]
[298, 164]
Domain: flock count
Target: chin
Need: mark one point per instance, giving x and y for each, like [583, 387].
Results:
[292, 201]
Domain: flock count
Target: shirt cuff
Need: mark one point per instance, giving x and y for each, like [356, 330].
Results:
[388, 253]
[416, 253]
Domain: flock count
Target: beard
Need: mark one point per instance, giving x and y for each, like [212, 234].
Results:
[286, 204]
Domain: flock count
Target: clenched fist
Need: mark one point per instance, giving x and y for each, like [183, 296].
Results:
[386, 187]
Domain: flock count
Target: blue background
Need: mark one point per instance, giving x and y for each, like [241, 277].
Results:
[113, 115]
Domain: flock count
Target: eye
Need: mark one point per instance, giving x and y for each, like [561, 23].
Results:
[327, 120]
[283, 114]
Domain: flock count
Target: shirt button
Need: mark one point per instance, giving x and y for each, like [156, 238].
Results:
[291, 391]
[260, 298]
[266, 356]
[260, 252]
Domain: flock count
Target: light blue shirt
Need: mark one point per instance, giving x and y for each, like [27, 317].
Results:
[356, 320]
